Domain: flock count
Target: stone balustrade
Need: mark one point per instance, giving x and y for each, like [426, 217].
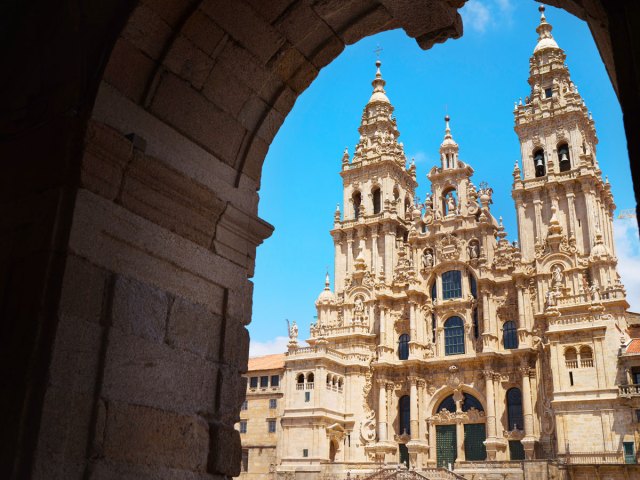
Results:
[629, 390]
[587, 458]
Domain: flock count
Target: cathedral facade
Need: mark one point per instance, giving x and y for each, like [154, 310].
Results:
[443, 342]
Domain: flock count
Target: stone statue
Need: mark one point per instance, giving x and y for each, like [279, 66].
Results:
[473, 250]
[551, 298]
[556, 275]
[359, 305]
[594, 291]
[427, 259]
[293, 330]
[451, 204]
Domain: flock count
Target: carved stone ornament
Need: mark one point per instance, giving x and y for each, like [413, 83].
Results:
[454, 377]
[448, 247]
[368, 429]
[444, 417]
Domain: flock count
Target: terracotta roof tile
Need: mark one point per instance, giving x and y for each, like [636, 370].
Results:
[634, 346]
[267, 362]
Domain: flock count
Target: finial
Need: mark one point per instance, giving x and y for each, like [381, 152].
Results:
[378, 65]
[501, 220]
[516, 166]
[541, 9]
[326, 281]
[447, 129]
[338, 207]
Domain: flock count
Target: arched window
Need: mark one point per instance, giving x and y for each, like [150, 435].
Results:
[452, 284]
[571, 358]
[514, 409]
[509, 335]
[586, 357]
[310, 377]
[539, 163]
[470, 402]
[403, 346]
[357, 200]
[300, 378]
[376, 200]
[564, 160]
[404, 413]
[448, 404]
[454, 336]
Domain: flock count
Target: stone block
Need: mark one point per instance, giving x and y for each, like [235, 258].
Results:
[326, 52]
[203, 32]
[189, 62]
[236, 345]
[190, 112]
[128, 70]
[194, 328]
[139, 309]
[271, 10]
[83, 290]
[106, 155]
[106, 470]
[157, 192]
[253, 32]
[298, 22]
[287, 62]
[225, 454]
[57, 467]
[244, 66]
[146, 373]
[255, 158]
[147, 31]
[369, 23]
[225, 90]
[148, 436]
[303, 77]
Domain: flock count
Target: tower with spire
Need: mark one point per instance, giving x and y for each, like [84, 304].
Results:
[442, 342]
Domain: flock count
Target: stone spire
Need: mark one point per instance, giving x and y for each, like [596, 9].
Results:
[378, 130]
[449, 148]
[545, 39]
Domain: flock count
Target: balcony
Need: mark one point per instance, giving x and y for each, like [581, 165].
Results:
[629, 391]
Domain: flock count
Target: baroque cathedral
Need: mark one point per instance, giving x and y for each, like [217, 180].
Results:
[445, 343]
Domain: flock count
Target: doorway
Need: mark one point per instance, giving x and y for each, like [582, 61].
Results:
[446, 445]
[474, 436]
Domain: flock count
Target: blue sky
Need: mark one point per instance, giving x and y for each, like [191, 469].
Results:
[476, 80]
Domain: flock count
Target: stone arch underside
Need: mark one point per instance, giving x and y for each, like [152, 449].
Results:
[130, 212]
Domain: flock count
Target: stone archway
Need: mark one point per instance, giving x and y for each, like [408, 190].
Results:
[136, 133]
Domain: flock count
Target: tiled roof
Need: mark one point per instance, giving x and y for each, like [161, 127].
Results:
[267, 362]
[634, 346]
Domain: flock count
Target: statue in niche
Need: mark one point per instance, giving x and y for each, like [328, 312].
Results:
[551, 298]
[474, 251]
[556, 275]
[594, 292]
[451, 204]
[359, 305]
[427, 259]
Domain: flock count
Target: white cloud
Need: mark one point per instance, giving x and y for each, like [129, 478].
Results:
[476, 15]
[625, 233]
[275, 345]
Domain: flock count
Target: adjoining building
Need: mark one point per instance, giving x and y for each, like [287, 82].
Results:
[444, 345]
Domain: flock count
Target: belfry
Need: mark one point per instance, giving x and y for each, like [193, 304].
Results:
[445, 346]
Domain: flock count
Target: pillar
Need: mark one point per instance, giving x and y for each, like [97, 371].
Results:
[382, 411]
[389, 243]
[349, 251]
[382, 327]
[490, 443]
[528, 442]
[412, 321]
[374, 250]
[413, 410]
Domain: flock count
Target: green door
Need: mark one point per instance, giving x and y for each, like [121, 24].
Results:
[474, 437]
[629, 452]
[516, 450]
[446, 445]
[404, 454]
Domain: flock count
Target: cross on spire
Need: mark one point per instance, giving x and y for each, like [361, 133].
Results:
[377, 50]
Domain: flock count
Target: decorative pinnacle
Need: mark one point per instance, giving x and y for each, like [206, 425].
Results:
[326, 282]
[447, 129]
[541, 9]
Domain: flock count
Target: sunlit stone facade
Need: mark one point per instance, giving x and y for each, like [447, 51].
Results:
[443, 342]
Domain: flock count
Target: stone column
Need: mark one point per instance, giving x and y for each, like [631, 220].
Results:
[537, 205]
[374, 250]
[487, 337]
[389, 244]
[412, 320]
[413, 410]
[349, 251]
[382, 326]
[528, 442]
[491, 443]
[382, 411]
[571, 201]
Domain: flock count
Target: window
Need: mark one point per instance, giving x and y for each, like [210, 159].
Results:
[376, 200]
[310, 377]
[629, 452]
[275, 380]
[245, 460]
[454, 336]
[271, 426]
[539, 163]
[452, 284]
[571, 358]
[404, 411]
[448, 404]
[357, 200]
[571, 378]
[516, 450]
[253, 382]
[564, 160]
[509, 335]
[245, 405]
[586, 357]
[548, 92]
[307, 396]
[469, 402]
[635, 376]
[514, 409]
[264, 382]
[638, 416]
[300, 378]
[273, 403]
[243, 426]
[305, 452]
[403, 347]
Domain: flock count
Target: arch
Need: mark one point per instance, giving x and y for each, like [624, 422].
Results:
[403, 346]
[356, 198]
[300, 378]
[404, 415]
[509, 335]
[564, 157]
[571, 357]
[376, 197]
[470, 399]
[454, 336]
[310, 377]
[515, 417]
[328, 379]
[539, 162]
[586, 356]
